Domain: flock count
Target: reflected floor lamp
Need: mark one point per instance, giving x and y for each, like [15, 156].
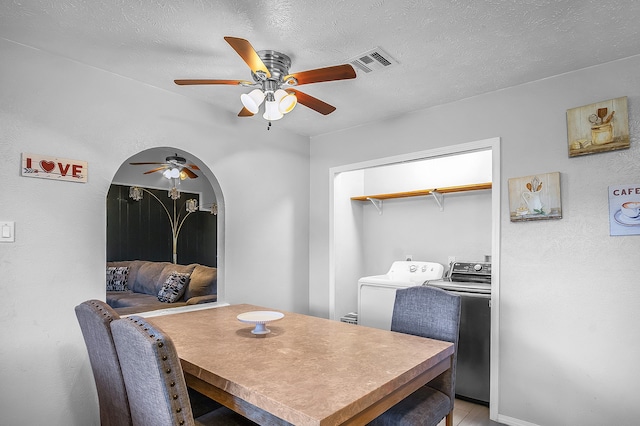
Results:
[175, 220]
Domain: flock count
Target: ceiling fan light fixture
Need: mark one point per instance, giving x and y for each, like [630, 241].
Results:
[172, 173]
[252, 100]
[271, 111]
[286, 101]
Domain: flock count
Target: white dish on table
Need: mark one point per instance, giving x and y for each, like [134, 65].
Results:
[260, 319]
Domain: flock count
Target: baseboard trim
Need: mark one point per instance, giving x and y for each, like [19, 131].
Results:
[511, 421]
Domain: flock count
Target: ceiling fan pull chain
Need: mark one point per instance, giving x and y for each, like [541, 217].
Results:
[269, 126]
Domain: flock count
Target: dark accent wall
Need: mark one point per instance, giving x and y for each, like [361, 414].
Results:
[141, 229]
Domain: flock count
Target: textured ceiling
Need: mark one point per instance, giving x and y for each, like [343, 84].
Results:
[446, 49]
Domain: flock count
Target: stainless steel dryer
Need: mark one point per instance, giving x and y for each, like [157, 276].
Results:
[472, 282]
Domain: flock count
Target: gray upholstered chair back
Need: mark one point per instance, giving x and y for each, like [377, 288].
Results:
[152, 373]
[95, 317]
[433, 313]
[158, 394]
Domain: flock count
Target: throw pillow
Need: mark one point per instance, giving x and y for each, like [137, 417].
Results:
[174, 287]
[117, 278]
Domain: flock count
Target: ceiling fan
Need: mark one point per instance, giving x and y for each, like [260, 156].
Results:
[273, 83]
[174, 167]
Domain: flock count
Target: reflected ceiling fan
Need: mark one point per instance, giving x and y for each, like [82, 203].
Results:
[174, 167]
[273, 83]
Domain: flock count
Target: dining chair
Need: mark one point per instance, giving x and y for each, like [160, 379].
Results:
[428, 312]
[95, 317]
[154, 379]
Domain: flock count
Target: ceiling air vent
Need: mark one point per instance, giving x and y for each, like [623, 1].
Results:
[373, 60]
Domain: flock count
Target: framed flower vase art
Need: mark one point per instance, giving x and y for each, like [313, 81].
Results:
[599, 127]
[535, 197]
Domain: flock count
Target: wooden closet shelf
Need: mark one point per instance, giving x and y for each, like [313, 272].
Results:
[423, 192]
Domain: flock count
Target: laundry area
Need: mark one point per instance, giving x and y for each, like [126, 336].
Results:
[392, 230]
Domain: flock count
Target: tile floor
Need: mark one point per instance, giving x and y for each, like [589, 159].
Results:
[469, 414]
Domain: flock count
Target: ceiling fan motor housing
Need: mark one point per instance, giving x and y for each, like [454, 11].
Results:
[174, 159]
[278, 65]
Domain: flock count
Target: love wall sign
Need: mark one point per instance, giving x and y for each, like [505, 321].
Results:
[46, 167]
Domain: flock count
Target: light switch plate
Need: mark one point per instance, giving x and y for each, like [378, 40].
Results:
[7, 232]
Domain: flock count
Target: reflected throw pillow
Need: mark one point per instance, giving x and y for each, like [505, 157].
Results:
[174, 287]
[117, 278]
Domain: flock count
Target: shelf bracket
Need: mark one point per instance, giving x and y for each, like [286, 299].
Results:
[377, 204]
[439, 199]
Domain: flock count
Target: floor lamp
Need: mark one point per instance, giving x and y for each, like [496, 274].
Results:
[175, 220]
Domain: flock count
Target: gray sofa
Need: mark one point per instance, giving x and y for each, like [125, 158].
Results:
[145, 280]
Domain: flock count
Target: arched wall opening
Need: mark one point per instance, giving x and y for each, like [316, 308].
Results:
[200, 234]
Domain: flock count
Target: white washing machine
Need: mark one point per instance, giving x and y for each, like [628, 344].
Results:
[377, 293]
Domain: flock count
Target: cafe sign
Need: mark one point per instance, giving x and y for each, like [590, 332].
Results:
[624, 209]
[46, 167]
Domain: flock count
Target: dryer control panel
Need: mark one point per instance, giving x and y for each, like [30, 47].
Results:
[479, 272]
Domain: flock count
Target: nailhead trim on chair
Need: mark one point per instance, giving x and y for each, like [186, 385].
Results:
[167, 370]
[98, 307]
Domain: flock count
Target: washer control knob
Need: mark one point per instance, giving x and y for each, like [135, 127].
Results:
[477, 267]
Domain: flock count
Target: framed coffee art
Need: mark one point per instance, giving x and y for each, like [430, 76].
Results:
[535, 197]
[624, 209]
[599, 127]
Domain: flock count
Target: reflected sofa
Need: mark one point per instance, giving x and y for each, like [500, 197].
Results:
[138, 286]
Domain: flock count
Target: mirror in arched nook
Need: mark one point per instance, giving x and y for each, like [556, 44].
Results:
[166, 207]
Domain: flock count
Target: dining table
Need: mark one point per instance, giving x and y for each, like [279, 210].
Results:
[302, 369]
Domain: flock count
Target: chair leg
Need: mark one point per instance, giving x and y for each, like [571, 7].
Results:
[449, 421]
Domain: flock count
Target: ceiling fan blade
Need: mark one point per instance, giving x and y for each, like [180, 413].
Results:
[155, 170]
[230, 82]
[338, 72]
[140, 164]
[193, 167]
[313, 103]
[189, 173]
[248, 54]
[245, 113]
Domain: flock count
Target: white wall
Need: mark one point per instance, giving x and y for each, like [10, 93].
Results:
[52, 106]
[438, 172]
[568, 295]
[417, 226]
[349, 242]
